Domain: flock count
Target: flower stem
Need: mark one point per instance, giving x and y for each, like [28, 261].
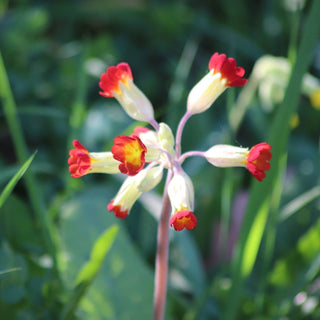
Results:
[181, 125]
[155, 124]
[191, 154]
[161, 272]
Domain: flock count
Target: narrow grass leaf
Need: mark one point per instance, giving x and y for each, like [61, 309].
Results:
[253, 239]
[279, 133]
[280, 129]
[14, 180]
[298, 203]
[20, 146]
[4, 273]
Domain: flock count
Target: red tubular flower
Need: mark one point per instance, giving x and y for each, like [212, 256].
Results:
[122, 214]
[183, 219]
[79, 160]
[117, 82]
[223, 73]
[228, 69]
[109, 81]
[258, 160]
[130, 151]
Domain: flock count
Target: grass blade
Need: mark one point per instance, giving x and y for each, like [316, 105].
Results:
[295, 205]
[4, 273]
[14, 180]
[10, 112]
[279, 133]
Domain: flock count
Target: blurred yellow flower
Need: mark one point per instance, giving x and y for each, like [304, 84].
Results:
[294, 121]
[315, 99]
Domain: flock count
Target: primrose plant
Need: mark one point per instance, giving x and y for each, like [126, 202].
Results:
[147, 152]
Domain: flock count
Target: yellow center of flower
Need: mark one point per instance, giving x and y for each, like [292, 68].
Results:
[130, 151]
[133, 151]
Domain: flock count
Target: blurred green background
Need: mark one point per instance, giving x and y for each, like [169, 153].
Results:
[63, 255]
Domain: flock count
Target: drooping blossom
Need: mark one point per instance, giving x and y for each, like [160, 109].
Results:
[181, 195]
[117, 82]
[256, 160]
[82, 162]
[223, 73]
[132, 188]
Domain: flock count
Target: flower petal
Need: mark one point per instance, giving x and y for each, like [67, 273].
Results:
[117, 210]
[228, 69]
[130, 151]
[109, 81]
[79, 160]
[183, 219]
[258, 160]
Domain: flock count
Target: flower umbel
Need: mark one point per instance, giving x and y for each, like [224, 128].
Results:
[147, 152]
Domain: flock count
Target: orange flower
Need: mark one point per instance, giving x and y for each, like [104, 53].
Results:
[130, 151]
[258, 160]
[79, 160]
[183, 219]
[223, 73]
[118, 212]
[181, 195]
[82, 162]
[117, 82]
[132, 188]
[109, 81]
[228, 69]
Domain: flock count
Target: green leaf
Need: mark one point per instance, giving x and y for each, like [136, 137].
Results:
[254, 238]
[12, 288]
[18, 228]
[124, 285]
[14, 180]
[187, 261]
[99, 251]
[90, 269]
[287, 269]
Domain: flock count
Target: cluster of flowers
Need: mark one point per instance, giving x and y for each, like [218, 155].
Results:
[159, 148]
